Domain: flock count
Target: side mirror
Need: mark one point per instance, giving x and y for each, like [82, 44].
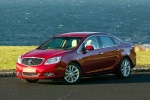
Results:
[89, 47]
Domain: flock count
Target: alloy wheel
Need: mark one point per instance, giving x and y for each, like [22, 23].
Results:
[72, 74]
[124, 69]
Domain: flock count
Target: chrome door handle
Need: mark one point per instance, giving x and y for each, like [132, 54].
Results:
[101, 53]
[117, 49]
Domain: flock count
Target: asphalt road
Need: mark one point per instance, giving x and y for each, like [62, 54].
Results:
[109, 87]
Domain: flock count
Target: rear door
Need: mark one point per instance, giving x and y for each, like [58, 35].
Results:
[109, 53]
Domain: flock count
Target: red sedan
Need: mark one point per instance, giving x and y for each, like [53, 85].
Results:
[70, 56]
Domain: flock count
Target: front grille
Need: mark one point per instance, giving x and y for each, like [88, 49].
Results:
[30, 74]
[32, 61]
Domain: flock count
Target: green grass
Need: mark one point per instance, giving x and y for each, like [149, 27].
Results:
[143, 58]
[9, 56]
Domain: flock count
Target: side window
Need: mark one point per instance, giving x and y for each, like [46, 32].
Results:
[93, 41]
[106, 41]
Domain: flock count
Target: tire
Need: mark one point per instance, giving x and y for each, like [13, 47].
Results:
[124, 69]
[31, 80]
[72, 74]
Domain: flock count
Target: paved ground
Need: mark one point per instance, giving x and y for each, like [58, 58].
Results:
[108, 87]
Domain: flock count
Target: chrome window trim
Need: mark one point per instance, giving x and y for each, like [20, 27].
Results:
[99, 41]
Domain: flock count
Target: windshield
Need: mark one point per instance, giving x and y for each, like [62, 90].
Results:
[65, 43]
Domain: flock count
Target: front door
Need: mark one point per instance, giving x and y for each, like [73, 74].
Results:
[103, 58]
[90, 59]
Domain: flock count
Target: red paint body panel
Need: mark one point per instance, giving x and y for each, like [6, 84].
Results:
[98, 61]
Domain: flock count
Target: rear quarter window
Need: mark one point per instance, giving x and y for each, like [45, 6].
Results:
[106, 41]
[116, 42]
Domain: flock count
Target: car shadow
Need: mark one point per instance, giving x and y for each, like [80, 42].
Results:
[112, 79]
[106, 79]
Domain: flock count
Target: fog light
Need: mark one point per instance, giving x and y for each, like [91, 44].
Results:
[48, 74]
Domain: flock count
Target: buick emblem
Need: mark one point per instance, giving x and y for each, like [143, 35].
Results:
[29, 61]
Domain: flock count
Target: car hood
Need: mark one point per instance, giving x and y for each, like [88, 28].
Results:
[45, 53]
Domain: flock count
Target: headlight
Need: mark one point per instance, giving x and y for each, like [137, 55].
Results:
[53, 60]
[19, 59]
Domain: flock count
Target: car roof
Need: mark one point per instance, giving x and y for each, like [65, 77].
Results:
[80, 34]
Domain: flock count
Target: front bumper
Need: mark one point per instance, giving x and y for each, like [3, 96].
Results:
[53, 71]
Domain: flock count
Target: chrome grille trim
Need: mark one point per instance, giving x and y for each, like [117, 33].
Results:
[32, 61]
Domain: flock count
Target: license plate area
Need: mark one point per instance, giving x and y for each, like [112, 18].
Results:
[30, 70]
